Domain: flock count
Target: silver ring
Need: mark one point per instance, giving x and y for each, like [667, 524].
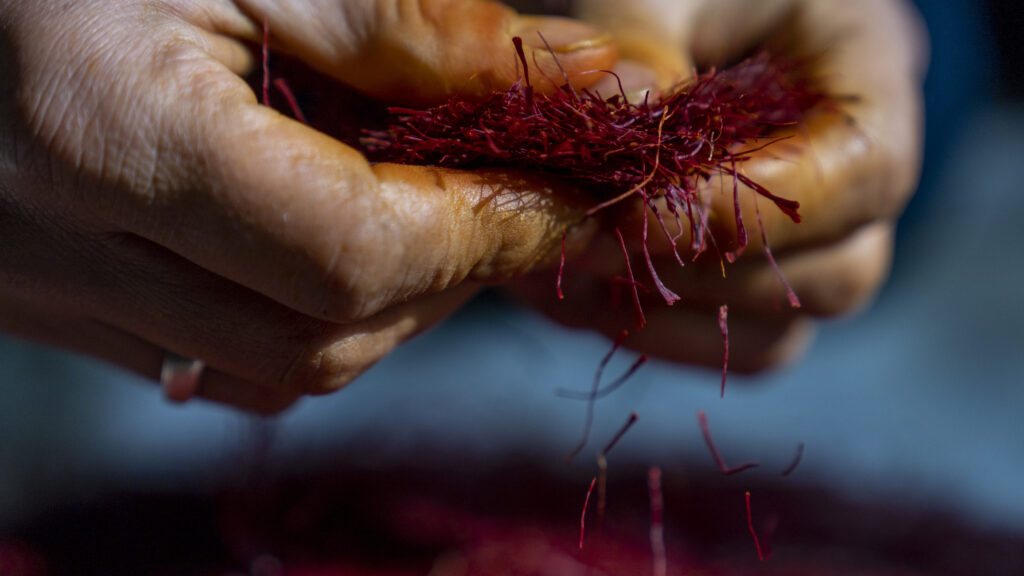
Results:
[180, 377]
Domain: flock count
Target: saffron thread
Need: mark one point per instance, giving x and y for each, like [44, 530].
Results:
[612, 387]
[557, 63]
[639, 188]
[741, 229]
[633, 417]
[794, 302]
[602, 466]
[589, 420]
[282, 85]
[266, 62]
[796, 460]
[641, 320]
[723, 326]
[750, 525]
[669, 296]
[583, 515]
[657, 531]
[655, 150]
[727, 470]
[561, 270]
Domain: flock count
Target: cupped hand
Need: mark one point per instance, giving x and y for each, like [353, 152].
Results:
[852, 172]
[150, 204]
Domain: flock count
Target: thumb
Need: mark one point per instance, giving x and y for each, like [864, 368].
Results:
[652, 38]
[420, 52]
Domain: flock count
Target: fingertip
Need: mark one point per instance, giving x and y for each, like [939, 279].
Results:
[229, 52]
[564, 49]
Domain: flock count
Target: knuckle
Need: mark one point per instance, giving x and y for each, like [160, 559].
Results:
[327, 369]
[862, 266]
[347, 297]
[774, 347]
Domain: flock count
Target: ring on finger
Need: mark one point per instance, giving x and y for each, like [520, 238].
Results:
[180, 377]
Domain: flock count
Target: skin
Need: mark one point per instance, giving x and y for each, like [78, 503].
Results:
[150, 204]
[852, 174]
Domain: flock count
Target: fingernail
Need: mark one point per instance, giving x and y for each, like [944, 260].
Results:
[560, 35]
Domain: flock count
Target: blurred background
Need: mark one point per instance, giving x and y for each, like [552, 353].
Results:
[916, 401]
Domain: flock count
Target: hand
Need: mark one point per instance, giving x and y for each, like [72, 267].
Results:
[852, 173]
[150, 204]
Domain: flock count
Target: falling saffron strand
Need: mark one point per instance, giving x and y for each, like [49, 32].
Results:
[705, 429]
[589, 421]
[723, 326]
[641, 320]
[796, 460]
[657, 527]
[633, 417]
[794, 301]
[750, 525]
[602, 466]
[613, 386]
[561, 270]
[583, 514]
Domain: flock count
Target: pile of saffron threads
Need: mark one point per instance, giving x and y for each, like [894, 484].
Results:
[651, 150]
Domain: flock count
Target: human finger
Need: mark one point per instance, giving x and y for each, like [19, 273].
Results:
[284, 209]
[248, 338]
[755, 343]
[423, 51]
[681, 333]
[828, 280]
[344, 240]
[132, 301]
[77, 332]
[846, 168]
[651, 39]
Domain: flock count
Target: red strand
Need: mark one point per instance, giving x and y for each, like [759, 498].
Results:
[583, 515]
[266, 62]
[661, 149]
[622, 432]
[602, 466]
[641, 320]
[615, 384]
[282, 85]
[657, 527]
[592, 397]
[723, 326]
[561, 270]
[669, 296]
[750, 525]
[790, 294]
[796, 460]
[705, 429]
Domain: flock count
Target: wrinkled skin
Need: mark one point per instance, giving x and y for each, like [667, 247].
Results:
[851, 172]
[150, 204]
